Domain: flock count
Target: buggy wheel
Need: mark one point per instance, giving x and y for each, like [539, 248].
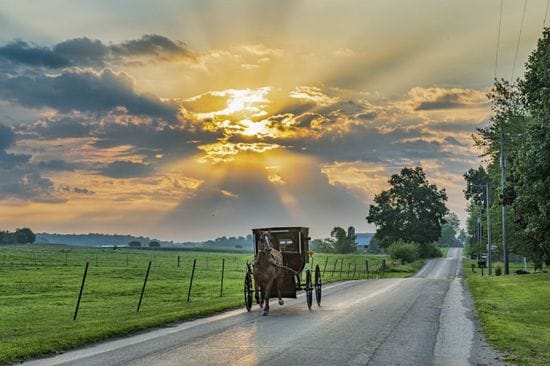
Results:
[248, 290]
[318, 285]
[309, 289]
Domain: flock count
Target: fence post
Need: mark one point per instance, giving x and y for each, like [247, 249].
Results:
[325, 267]
[349, 269]
[178, 261]
[334, 268]
[383, 267]
[66, 254]
[367, 267]
[341, 266]
[35, 258]
[206, 262]
[96, 260]
[223, 269]
[127, 261]
[81, 289]
[191, 282]
[354, 270]
[143, 288]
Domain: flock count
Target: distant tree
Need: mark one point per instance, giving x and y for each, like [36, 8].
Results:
[154, 244]
[475, 180]
[462, 237]
[411, 210]
[135, 244]
[322, 245]
[24, 236]
[449, 230]
[344, 241]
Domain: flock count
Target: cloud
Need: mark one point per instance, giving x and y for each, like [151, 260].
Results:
[426, 99]
[84, 52]
[7, 160]
[84, 90]
[56, 165]
[126, 169]
[20, 52]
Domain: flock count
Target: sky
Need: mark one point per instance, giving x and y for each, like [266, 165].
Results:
[188, 120]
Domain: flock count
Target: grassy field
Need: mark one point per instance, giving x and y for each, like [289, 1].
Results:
[515, 313]
[39, 286]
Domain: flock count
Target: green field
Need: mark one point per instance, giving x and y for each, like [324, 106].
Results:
[39, 286]
[515, 313]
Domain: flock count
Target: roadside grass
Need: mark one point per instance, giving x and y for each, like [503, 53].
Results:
[39, 286]
[514, 312]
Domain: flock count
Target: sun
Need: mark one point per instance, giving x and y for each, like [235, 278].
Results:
[252, 128]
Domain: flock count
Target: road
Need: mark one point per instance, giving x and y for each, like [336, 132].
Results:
[422, 320]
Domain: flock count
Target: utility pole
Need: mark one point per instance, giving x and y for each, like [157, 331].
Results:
[489, 260]
[503, 211]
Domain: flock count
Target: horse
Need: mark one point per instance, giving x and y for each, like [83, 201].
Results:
[268, 269]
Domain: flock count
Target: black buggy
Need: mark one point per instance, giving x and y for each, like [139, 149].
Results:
[293, 243]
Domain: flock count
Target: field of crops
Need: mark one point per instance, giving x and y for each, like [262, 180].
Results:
[39, 287]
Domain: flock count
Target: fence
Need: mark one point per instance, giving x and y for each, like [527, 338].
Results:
[154, 278]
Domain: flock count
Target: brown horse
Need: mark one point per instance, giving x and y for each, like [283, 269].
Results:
[268, 270]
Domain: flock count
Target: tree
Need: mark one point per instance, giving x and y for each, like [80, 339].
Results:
[134, 244]
[154, 244]
[344, 241]
[449, 230]
[24, 236]
[411, 210]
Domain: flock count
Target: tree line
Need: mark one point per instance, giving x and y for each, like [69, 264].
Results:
[20, 236]
[516, 145]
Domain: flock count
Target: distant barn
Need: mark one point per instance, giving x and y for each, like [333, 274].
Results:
[363, 240]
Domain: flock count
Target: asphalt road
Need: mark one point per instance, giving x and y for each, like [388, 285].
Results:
[423, 320]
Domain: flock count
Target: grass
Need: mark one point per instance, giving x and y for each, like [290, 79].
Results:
[514, 312]
[39, 286]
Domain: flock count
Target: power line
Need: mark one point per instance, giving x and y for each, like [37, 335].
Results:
[498, 38]
[519, 40]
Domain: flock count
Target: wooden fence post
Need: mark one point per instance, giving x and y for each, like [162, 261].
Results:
[367, 267]
[223, 269]
[325, 266]
[191, 282]
[144, 283]
[341, 266]
[81, 289]
[334, 268]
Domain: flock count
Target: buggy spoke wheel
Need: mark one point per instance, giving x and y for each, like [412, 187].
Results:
[248, 290]
[309, 289]
[318, 285]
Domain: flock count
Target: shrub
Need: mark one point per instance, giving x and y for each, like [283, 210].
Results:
[430, 251]
[404, 251]
[499, 267]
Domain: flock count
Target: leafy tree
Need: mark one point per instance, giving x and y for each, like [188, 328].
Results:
[154, 244]
[135, 244]
[24, 235]
[344, 241]
[411, 210]
[449, 230]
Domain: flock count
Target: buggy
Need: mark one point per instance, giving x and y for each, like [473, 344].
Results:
[293, 243]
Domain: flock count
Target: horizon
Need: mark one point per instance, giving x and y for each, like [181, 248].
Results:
[189, 121]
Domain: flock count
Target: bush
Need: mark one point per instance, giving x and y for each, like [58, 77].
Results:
[404, 251]
[499, 267]
[429, 251]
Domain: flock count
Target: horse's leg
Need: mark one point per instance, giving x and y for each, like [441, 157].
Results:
[267, 295]
[279, 285]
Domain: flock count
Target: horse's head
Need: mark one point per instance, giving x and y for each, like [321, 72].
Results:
[265, 247]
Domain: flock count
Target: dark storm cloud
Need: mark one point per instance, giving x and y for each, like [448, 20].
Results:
[7, 160]
[64, 126]
[451, 100]
[56, 165]
[452, 141]
[87, 52]
[21, 52]
[126, 169]
[83, 90]
[83, 51]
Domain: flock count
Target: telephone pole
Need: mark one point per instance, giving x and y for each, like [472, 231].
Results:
[503, 211]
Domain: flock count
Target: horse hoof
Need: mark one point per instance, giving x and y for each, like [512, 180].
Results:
[281, 302]
[265, 313]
